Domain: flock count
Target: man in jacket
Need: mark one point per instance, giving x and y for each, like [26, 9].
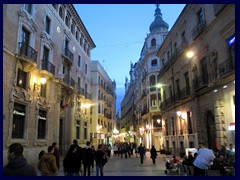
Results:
[17, 164]
[47, 164]
[87, 159]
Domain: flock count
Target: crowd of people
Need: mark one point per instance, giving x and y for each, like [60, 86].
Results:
[205, 159]
[79, 161]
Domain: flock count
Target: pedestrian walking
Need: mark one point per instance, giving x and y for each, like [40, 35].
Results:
[79, 153]
[56, 154]
[47, 164]
[17, 164]
[93, 153]
[153, 153]
[72, 162]
[141, 151]
[100, 159]
[87, 159]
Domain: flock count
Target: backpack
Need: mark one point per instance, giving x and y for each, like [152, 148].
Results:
[42, 152]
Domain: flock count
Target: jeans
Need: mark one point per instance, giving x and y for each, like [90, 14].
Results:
[99, 167]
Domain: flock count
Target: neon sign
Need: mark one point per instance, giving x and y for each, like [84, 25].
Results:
[231, 41]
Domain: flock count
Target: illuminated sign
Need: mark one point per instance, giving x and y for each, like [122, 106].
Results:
[18, 113]
[231, 41]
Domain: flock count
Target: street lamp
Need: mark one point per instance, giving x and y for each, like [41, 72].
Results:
[158, 121]
[36, 85]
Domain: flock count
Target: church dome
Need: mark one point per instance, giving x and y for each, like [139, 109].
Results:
[158, 22]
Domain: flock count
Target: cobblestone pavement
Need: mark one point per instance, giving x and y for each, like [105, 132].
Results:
[117, 166]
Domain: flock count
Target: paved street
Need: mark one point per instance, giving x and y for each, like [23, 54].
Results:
[131, 166]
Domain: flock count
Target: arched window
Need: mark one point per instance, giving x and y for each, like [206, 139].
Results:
[153, 42]
[61, 12]
[67, 20]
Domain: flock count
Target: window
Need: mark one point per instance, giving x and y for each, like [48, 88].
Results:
[73, 27]
[42, 118]
[85, 130]
[78, 129]
[61, 12]
[99, 108]
[189, 121]
[86, 69]
[153, 42]
[86, 90]
[77, 34]
[152, 83]
[153, 98]
[43, 91]
[173, 128]
[204, 69]
[168, 55]
[79, 82]
[166, 126]
[47, 25]
[18, 121]
[170, 93]
[154, 63]
[200, 16]
[28, 8]
[79, 61]
[67, 20]
[81, 39]
[178, 89]
[22, 79]
[183, 37]
[186, 75]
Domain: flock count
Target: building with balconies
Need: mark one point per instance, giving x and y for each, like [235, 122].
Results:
[198, 78]
[103, 119]
[46, 60]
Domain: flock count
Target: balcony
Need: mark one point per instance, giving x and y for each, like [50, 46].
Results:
[68, 56]
[185, 92]
[200, 82]
[27, 55]
[68, 80]
[226, 67]
[80, 90]
[198, 29]
[48, 66]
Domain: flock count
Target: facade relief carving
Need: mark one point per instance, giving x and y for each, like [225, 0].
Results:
[213, 57]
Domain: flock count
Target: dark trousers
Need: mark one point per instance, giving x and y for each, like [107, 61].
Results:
[198, 172]
[141, 158]
[154, 160]
[86, 167]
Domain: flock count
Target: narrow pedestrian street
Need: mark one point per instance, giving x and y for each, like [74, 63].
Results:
[117, 166]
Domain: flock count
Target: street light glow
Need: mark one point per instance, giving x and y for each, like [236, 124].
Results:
[190, 54]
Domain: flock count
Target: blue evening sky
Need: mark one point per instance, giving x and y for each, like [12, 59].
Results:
[119, 31]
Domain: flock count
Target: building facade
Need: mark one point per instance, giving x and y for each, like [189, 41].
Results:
[184, 81]
[103, 119]
[47, 77]
[198, 78]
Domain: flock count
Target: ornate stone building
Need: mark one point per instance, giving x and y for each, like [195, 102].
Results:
[142, 88]
[46, 61]
[184, 82]
[198, 78]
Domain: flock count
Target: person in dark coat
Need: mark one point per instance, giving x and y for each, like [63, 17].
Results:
[17, 164]
[87, 159]
[141, 151]
[153, 154]
[100, 159]
[72, 162]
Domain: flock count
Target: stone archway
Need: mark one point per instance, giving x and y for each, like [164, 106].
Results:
[211, 130]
